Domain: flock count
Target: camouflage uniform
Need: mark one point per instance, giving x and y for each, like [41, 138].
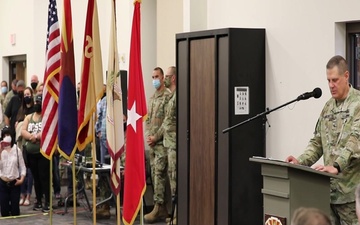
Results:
[337, 138]
[157, 153]
[168, 129]
[6, 101]
[2, 99]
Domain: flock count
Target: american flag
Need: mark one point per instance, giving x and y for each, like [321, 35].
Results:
[51, 84]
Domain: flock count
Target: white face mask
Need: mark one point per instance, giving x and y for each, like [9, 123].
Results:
[7, 139]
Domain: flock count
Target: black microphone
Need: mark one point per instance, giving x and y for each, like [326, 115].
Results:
[316, 93]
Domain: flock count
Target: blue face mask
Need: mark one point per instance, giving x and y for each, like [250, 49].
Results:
[156, 83]
[3, 90]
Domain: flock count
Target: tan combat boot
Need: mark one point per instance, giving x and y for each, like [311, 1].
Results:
[103, 212]
[173, 221]
[158, 213]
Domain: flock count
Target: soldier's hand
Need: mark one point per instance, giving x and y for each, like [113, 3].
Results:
[291, 159]
[151, 141]
[328, 169]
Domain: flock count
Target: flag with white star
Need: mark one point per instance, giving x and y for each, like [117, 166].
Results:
[135, 156]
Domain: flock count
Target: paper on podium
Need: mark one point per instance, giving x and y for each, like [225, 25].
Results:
[272, 159]
[280, 162]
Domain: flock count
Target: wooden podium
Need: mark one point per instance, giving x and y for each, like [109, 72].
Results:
[288, 186]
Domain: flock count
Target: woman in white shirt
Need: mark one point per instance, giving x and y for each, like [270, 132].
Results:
[12, 174]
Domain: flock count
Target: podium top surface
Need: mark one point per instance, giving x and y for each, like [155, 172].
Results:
[278, 162]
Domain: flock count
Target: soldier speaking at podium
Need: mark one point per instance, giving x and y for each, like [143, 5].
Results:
[337, 139]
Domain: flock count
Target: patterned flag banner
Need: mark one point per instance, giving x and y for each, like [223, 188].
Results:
[135, 163]
[67, 100]
[91, 89]
[114, 107]
[51, 84]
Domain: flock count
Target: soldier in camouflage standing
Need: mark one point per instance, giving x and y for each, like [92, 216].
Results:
[168, 131]
[337, 139]
[157, 152]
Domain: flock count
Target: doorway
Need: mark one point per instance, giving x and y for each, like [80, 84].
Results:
[17, 68]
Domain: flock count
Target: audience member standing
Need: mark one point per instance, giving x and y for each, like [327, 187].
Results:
[13, 107]
[101, 129]
[26, 108]
[39, 165]
[10, 94]
[34, 81]
[4, 91]
[12, 174]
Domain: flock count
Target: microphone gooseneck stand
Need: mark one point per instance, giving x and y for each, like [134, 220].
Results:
[260, 115]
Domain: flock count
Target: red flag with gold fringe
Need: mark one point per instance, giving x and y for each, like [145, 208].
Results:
[134, 183]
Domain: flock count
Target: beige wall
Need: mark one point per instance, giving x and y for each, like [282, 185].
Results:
[169, 22]
[300, 37]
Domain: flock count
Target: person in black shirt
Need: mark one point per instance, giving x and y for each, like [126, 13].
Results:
[13, 107]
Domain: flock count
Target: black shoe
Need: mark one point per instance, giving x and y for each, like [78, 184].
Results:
[46, 208]
[37, 207]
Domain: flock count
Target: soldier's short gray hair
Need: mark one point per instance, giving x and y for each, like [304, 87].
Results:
[338, 61]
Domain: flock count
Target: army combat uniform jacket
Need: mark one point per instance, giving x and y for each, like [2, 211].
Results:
[337, 138]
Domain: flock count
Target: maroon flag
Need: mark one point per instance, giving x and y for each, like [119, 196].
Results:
[91, 89]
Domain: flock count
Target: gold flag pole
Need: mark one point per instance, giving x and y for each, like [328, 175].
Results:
[142, 213]
[50, 195]
[93, 151]
[118, 209]
[74, 187]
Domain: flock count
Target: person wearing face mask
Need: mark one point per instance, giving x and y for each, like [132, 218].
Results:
[12, 174]
[4, 91]
[13, 107]
[168, 132]
[27, 107]
[34, 81]
[39, 165]
[157, 152]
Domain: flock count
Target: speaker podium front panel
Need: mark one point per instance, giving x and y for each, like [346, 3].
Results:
[221, 82]
[288, 187]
